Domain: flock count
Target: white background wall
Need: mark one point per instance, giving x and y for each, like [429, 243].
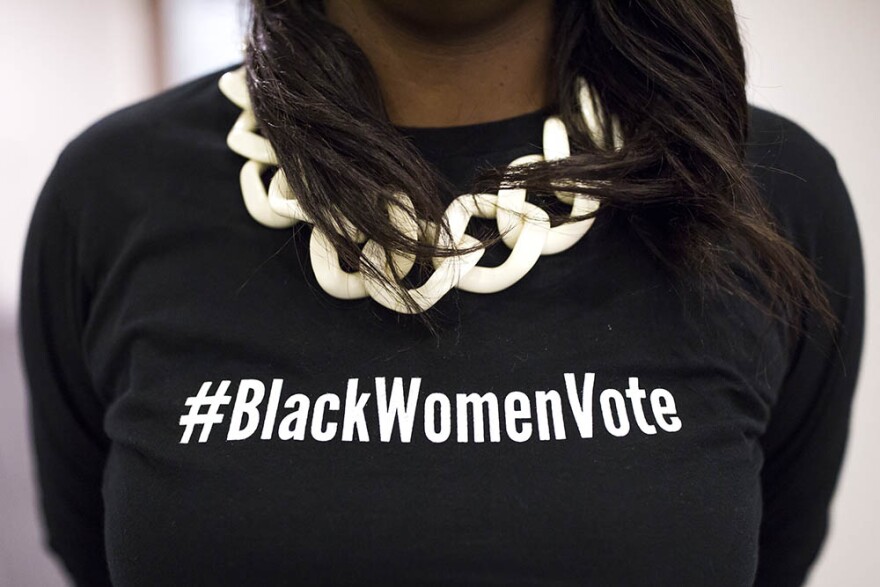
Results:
[66, 62]
[199, 35]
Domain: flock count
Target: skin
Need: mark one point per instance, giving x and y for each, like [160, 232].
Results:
[454, 62]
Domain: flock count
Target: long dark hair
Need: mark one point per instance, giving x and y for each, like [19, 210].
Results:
[672, 72]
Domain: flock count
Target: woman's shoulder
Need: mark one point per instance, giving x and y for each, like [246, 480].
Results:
[184, 107]
[152, 130]
[798, 177]
[147, 161]
[115, 168]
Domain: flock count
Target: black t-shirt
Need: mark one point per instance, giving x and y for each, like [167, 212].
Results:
[205, 414]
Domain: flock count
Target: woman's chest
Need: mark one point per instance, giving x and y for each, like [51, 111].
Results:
[584, 426]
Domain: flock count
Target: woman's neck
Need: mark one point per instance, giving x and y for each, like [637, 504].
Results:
[451, 62]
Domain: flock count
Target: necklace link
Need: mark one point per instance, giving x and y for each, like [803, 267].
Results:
[523, 226]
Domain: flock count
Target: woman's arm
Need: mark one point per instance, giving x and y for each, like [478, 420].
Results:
[805, 442]
[66, 415]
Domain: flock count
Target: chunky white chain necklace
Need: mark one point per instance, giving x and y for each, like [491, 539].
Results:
[525, 228]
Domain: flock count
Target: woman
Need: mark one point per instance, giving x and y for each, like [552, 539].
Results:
[660, 395]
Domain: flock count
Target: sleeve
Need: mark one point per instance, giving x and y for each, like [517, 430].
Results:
[805, 441]
[69, 444]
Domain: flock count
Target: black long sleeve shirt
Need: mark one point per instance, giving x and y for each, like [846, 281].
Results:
[204, 414]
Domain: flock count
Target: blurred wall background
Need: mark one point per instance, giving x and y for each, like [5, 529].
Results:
[66, 63]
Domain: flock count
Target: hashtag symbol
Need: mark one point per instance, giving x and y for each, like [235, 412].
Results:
[206, 420]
